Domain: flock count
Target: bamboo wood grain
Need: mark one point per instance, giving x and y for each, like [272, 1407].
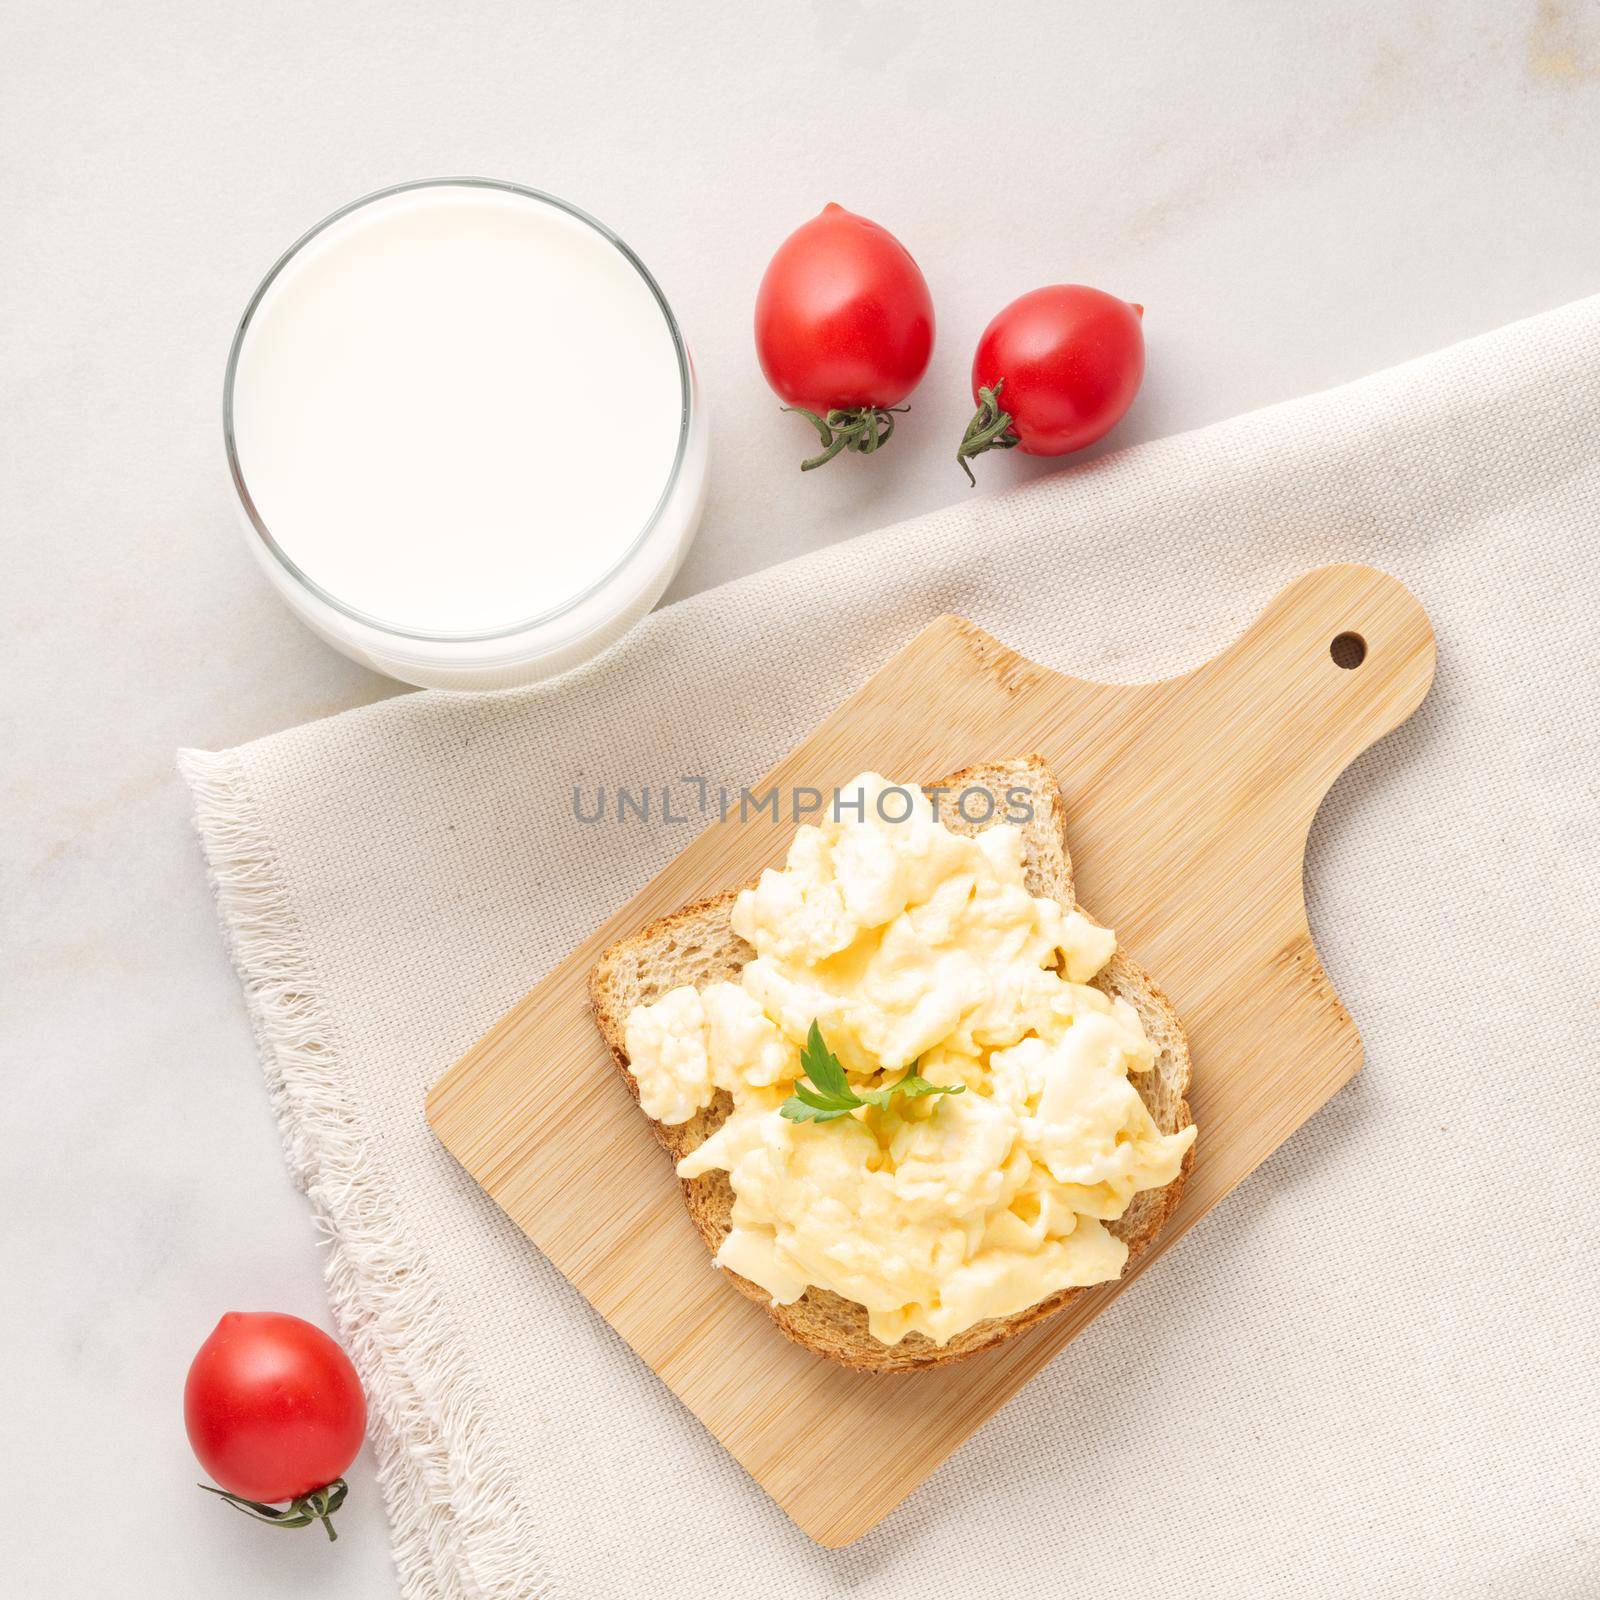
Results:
[1188, 803]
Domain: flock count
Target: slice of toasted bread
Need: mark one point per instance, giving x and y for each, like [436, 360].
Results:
[697, 945]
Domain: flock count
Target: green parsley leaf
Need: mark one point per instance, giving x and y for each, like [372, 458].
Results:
[822, 1066]
[913, 1086]
[829, 1095]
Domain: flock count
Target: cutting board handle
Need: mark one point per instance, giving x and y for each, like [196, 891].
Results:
[1339, 658]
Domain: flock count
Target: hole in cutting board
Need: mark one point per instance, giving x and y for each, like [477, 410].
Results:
[1348, 650]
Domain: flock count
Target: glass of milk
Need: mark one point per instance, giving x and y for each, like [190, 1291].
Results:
[465, 433]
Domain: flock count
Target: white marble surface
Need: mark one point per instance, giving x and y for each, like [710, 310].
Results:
[1297, 194]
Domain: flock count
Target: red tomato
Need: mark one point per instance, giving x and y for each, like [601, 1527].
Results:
[844, 328]
[1060, 365]
[273, 1407]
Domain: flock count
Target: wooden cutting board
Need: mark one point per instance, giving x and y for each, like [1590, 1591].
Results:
[1187, 803]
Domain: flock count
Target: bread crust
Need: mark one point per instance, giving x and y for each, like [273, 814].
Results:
[696, 944]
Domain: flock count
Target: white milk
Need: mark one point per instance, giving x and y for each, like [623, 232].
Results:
[457, 413]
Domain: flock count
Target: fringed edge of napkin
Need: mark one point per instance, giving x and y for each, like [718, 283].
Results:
[457, 1524]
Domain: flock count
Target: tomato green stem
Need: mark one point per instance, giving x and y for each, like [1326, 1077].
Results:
[859, 428]
[988, 430]
[318, 1506]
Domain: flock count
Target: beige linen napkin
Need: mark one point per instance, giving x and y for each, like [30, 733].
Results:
[1372, 1370]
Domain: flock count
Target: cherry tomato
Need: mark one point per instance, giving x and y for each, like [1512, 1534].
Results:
[844, 328]
[274, 1411]
[1054, 371]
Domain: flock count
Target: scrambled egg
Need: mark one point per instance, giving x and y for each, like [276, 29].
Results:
[913, 947]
